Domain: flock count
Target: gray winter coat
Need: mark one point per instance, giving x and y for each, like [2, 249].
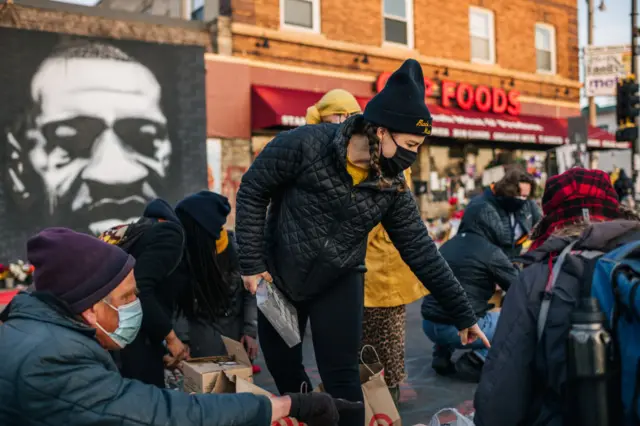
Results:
[54, 372]
[487, 207]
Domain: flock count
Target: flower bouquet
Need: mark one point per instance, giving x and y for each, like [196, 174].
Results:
[16, 273]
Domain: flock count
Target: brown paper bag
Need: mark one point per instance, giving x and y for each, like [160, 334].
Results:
[380, 409]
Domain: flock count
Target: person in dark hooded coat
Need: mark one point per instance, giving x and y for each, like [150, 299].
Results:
[524, 379]
[507, 207]
[213, 300]
[187, 264]
[158, 252]
[479, 264]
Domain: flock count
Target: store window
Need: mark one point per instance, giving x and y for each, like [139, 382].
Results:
[300, 15]
[545, 48]
[482, 33]
[398, 22]
[197, 10]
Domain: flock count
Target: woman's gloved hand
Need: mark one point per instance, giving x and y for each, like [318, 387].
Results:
[319, 409]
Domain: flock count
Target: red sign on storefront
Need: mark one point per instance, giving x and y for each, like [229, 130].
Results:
[467, 97]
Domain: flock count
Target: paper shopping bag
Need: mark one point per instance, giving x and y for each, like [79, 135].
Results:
[380, 410]
[226, 383]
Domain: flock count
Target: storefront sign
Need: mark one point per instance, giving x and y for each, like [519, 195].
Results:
[382, 81]
[603, 66]
[482, 98]
[467, 97]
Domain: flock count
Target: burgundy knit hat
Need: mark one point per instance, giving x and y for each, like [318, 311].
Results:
[575, 196]
[77, 268]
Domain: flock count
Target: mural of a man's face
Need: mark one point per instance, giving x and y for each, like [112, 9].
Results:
[97, 140]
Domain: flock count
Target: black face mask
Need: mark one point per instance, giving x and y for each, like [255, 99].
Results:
[401, 160]
[511, 204]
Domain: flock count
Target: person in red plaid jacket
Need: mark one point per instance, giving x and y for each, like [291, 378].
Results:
[524, 377]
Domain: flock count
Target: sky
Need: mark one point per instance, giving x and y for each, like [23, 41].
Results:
[612, 26]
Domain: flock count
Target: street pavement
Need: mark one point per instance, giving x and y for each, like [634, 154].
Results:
[423, 394]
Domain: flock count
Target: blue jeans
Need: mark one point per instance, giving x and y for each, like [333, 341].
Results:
[445, 337]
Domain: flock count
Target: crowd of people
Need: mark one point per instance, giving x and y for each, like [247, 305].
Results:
[326, 215]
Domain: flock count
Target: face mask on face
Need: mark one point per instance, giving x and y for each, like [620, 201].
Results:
[402, 159]
[129, 322]
[512, 204]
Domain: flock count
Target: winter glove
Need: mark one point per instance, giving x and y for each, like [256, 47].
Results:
[319, 409]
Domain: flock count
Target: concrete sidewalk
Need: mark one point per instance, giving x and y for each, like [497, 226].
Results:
[423, 394]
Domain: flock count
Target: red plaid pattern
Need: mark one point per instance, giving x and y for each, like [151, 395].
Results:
[566, 197]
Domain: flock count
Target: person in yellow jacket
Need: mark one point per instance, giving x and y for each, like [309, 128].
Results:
[334, 107]
[389, 283]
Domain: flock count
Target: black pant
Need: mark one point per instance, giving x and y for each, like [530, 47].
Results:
[336, 329]
[142, 360]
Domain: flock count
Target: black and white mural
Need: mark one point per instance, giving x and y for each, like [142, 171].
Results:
[92, 129]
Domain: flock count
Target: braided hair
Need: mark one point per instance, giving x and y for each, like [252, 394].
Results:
[209, 290]
[357, 125]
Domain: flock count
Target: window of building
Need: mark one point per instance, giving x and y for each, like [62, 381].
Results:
[545, 48]
[398, 22]
[193, 9]
[197, 12]
[300, 14]
[482, 33]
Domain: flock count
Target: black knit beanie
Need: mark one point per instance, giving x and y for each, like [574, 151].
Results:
[207, 208]
[400, 105]
[76, 268]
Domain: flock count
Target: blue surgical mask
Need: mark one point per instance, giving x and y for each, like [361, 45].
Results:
[129, 322]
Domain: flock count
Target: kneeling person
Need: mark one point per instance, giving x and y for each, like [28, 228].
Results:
[54, 344]
[479, 264]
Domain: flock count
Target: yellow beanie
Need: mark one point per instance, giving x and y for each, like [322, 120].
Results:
[336, 101]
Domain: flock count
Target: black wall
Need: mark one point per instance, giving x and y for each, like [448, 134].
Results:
[180, 71]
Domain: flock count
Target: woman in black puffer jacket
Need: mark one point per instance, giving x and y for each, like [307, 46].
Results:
[313, 239]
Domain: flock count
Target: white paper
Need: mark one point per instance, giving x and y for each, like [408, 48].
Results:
[282, 315]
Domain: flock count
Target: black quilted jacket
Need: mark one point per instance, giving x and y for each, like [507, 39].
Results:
[318, 221]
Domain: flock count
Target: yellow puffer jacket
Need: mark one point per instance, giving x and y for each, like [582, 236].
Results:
[388, 281]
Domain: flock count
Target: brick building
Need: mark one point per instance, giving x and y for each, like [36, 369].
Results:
[501, 76]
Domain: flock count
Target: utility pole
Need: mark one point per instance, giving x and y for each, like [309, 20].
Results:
[634, 33]
[592, 101]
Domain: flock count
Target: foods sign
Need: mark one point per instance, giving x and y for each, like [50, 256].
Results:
[603, 66]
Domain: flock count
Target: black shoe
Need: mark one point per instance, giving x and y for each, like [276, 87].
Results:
[443, 366]
[469, 367]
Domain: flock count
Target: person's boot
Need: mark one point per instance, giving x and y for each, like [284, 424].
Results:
[442, 365]
[469, 367]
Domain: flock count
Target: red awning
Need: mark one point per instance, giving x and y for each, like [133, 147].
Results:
[276, 107]
[463, 124]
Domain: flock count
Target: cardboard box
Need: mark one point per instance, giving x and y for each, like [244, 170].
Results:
[227, 384]
[200, 374]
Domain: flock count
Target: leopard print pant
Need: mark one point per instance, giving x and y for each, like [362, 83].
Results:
[384, 329]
